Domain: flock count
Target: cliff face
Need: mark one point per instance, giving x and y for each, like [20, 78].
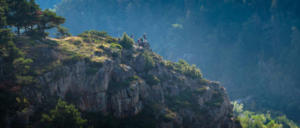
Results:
[98, 76]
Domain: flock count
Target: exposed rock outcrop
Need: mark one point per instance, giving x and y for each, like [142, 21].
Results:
[125, 84]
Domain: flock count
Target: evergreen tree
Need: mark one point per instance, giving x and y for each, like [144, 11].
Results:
[27, 17]
[63, 116]
[62, 32]
[126, 41]
[3, 10]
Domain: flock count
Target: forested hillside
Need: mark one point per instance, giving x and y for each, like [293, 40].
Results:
[250, 46]
[95, 80]
[116, 79]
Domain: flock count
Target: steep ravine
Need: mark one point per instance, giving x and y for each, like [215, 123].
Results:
[98, 76]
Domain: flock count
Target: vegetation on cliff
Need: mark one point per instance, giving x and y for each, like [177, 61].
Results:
[250, 46]
[111, 82]
[250, 119]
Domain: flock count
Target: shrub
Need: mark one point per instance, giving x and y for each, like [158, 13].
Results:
[93, 33]
[250, 119]
[126, 41]
[111, 40]
[149, 62]
[93, 36]
[115, 45]
[183, 67]
[22, 70]
[62, 32]
[36, 34]
[116, 49]
[64, 115]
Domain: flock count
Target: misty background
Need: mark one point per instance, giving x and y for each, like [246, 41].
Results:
[251, 46]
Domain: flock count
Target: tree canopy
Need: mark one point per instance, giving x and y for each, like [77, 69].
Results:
[26, 17]
[64, 115]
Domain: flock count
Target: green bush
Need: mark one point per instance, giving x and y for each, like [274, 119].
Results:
[149, 61]
[93, 36]
[250, 119]
[63, 116]
[115, 45]
[126, 41]
[183, 67]
[22, 70]
[93, 33]
[116, 49]
[111, 40]
[62, 32]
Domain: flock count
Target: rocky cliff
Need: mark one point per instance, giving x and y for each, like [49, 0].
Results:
[123, 79]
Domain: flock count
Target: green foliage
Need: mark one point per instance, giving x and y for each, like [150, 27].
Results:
[116, 49]
[63, 116]
[3, 10]
[149, 61]
[49, 20]
[253, 120]
[22, 65]
[286, 122]
[62, 32]
[126, 41]
[17, 67]
[27, 17]
[183, 67]
[109, 39]
[93, 36]
[115, 45]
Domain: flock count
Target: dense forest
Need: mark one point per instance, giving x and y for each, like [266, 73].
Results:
[49, 78]
[250, 46]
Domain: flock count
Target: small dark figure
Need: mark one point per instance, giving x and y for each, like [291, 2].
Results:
[145, 36]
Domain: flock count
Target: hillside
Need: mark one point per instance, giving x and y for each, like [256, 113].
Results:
[51, 79]
[122, 81]
[250, 46]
